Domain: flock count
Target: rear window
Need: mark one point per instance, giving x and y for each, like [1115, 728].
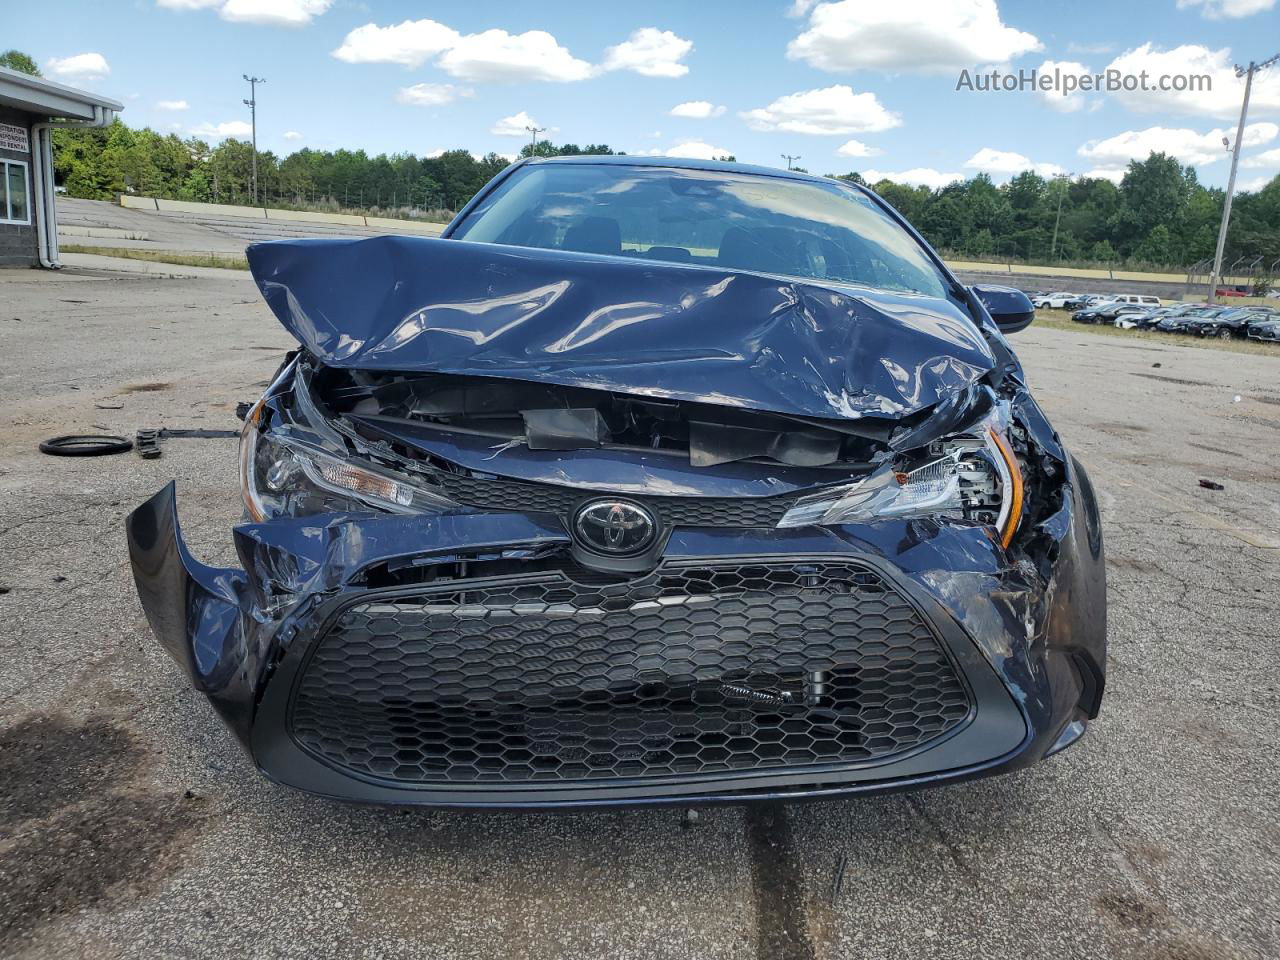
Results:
[708, 218]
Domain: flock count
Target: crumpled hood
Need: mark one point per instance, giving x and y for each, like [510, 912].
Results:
[638, 327]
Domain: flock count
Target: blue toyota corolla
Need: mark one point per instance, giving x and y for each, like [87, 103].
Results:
[650, 481]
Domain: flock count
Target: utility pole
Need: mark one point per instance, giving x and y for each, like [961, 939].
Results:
[252, 104]
[1247, 73]
[1053, 247]
[789, 157]
[533, 137]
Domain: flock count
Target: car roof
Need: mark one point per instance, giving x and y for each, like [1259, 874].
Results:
[681, 163]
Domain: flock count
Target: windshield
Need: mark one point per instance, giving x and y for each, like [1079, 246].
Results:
[708, 218]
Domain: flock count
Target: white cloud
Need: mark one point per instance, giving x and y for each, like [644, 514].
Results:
[81, 66]
[1187, 146]
[856, 148]
[800, 7]
[431, 94]
[692, 149]
[496, 55]
[990, 160]
[697, 110]
[920, 176]
[238, 129]
[293, 135]
[1266, 159]
[1114, 174]
[649, 52]
[409, 43]
[1227, 9]
[916, 36]
[827, 110]
[1225, 89]
[1253, 184]
[172, 105]
[1068, 103]
[278, 13]
[514, 126]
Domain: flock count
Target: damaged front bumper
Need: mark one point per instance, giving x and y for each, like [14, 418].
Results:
[464, 660]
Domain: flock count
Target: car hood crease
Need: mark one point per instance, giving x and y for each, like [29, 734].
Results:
[669, 331]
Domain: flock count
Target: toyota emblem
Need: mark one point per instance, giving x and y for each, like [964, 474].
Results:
[616, 527]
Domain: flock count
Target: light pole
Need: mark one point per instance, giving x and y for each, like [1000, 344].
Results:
[1247, 73]
[789, 157]
[1053, 247]
[533, 137]
[252, 104]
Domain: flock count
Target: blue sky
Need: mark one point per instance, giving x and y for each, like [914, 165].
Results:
[855, 85]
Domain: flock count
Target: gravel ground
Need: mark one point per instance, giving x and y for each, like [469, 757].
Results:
[132, 826]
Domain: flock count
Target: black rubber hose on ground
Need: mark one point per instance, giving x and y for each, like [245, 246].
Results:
[85, 445]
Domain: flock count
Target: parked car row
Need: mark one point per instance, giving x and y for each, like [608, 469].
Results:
[1132, 311]
[1077, 301]
[1200, 319]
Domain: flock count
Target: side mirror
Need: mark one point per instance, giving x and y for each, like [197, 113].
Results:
[1010, 308]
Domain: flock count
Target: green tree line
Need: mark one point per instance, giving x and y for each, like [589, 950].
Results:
[1158, 215]
[102, 164]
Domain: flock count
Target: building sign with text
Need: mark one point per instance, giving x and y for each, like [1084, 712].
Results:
[13, 137]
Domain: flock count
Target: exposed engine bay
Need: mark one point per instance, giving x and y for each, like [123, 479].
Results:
[547, 417]
[437, 441]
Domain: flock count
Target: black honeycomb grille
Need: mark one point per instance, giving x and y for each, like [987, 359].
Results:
[691, 669]
[495, 493]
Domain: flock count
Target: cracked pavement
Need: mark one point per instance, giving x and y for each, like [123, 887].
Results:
[132, 826]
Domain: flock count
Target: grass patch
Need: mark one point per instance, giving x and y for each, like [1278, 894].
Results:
[1061, 320]
[228, 261]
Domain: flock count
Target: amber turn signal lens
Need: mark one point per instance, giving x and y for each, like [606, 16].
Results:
[1015, 493]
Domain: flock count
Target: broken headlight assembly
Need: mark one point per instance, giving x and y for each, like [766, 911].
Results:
[284, 475]
[973, 478]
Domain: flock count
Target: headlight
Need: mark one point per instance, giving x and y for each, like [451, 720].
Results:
[974, 478]
[281, 475]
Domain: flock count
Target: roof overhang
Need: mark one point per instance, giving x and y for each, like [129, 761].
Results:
[48, 99]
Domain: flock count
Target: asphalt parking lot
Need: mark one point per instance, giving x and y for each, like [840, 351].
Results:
[131, 825]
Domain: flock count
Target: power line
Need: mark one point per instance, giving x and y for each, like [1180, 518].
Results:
[252, 104]
[1247, 73]
[790, 157]
[533, 137]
